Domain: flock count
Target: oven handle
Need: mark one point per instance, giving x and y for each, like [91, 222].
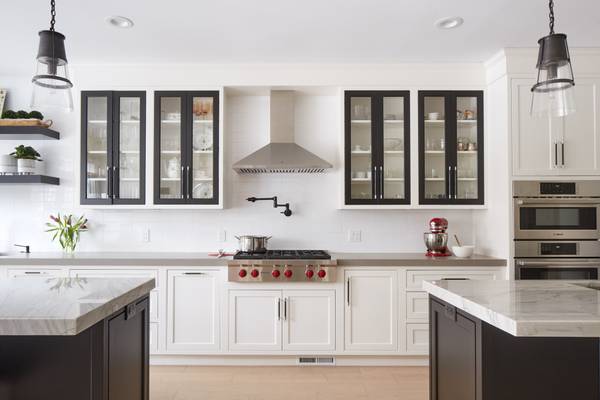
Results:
[560, 201]
[563, 264]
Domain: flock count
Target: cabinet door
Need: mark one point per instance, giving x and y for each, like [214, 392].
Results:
[453, 359]
[127, 355]
[309, 320]
[467, 168]
[580, 136]
[170, 116]
[255, 320]
[202, 170]
[360, 171]
[394, 161]
[434, 154]
[371, 320]
[534, 147]
[129, 147]
[193, 311]
[96, 148]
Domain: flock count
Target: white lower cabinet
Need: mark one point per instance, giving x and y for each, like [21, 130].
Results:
[124, 273]
[193, 311]
[417, 338]
[153, 337]
[371, 313]
[282, 320]
[255, 320]
[309, 320]
[49, 273]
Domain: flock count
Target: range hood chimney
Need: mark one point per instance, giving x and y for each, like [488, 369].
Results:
[282, 154]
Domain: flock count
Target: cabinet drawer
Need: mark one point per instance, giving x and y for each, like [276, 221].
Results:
[417, 306]
[125, 273]
[415, 278]
[50, 273]
[417, 338]
[153, 337]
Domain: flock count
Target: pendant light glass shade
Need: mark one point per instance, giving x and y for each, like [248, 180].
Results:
[553, 92]
[51, 83]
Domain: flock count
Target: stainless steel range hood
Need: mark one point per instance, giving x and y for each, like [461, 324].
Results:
[282, 154]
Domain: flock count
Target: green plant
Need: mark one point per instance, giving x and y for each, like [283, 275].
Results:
[36, 115]
[67, 230]
[22, 114]
[26, 153]
[9, 114]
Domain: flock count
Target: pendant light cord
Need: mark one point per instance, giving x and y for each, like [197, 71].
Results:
[551, 7]
[52, 14]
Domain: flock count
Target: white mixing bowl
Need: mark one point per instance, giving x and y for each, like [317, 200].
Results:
[463, 251]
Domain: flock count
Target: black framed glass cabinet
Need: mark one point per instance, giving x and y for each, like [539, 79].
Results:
[113, 146]
[377, 147]
[186, 147]
[451, 157]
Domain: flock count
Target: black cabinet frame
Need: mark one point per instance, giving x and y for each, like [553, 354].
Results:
[186, 146]
[377, 146]
[112, 146]
[451, 141]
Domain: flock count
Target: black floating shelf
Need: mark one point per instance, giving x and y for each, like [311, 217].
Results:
[27, 133]
[49, 180]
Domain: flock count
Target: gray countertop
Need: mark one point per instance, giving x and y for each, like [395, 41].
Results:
[182, 259]
[63, 306]
[527, 308]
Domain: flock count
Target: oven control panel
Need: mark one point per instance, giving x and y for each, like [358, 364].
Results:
[281, 272]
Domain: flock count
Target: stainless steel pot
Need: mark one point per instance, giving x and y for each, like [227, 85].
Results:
[253, 244]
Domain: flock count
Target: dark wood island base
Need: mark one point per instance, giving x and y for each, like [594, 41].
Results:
[473, 360]
[108, 361]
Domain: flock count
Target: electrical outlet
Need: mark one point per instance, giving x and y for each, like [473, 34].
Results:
[354, 236]
[146, 235]
[222, 236]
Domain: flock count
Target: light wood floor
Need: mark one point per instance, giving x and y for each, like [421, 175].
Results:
[289, 383]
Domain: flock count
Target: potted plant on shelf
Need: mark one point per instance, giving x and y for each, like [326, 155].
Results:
[26, 157]
[67, 230]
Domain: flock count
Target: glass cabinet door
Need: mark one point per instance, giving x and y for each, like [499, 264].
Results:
[130, 147]
[96, 142]
[467, 148]
[395, 157]
[360, 169]
[169, 157]
[434, 140]
[202, 172]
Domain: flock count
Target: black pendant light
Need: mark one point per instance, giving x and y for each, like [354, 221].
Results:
[51, 84]
[553, 92]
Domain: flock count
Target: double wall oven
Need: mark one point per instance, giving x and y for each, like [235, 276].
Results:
[557, 231]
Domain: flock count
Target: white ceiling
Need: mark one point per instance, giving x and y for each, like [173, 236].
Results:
[307, 31]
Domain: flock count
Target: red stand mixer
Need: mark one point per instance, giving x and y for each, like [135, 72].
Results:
[437, 239]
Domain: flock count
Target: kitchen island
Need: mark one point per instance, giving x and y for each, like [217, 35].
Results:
[74, 338]
[497, 340]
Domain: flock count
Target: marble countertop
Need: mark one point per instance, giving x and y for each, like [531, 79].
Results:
[527, 308]
[63, 306]
[198, 259]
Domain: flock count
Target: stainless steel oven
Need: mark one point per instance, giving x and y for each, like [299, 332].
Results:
[556, 210]
[557, 259]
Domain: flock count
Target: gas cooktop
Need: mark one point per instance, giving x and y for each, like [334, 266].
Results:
[284, 255]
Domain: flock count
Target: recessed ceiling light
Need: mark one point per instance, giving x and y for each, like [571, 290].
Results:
[449, 22]
[119, 22]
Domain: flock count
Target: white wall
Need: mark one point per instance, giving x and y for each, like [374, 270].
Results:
[316, 223]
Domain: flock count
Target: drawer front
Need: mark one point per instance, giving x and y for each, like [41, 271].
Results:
[417, 306]
[417, 338]
[50, 273]
[125, 273]
[415, 278]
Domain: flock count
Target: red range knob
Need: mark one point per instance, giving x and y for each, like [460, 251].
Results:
[275, 273]
[322, 273]
[310, 273]
[242, 273]
[254, 273]
[288, 273]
